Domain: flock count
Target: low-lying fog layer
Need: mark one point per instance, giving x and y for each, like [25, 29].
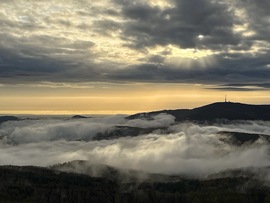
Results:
[183, 148]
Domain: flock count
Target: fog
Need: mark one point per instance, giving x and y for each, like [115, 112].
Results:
[31, 131]
[185, 148]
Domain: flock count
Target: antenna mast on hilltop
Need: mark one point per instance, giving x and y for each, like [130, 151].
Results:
[225, 98]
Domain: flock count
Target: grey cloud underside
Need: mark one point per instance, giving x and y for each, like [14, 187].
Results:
[53, 58]
[261, 85]
[180, 25]
[241, 70]
[258, 17]
[237, 89]
[37, 59]
[25, 69]
[243, 87]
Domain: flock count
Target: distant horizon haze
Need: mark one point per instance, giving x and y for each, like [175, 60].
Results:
[129, 104]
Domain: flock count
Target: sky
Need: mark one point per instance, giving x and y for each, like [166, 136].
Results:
[124, 56]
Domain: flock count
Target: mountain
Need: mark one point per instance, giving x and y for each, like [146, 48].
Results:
[222, 111]
[258, 173]
[240, 138]
[29, 184]
[113, 173]
[8, 118]
[214, 111]
[123, 131]
[78, 117]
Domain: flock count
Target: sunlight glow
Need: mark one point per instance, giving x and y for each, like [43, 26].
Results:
[161, 3]
[200, 37]
[188, 58]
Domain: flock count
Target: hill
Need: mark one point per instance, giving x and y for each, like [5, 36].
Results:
[8, 118]
[215, 111]
[78, 117]
[34, 184]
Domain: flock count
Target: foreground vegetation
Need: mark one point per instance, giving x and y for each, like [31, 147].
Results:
[34, 184]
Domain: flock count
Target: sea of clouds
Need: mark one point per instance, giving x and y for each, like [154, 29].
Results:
[187, 148]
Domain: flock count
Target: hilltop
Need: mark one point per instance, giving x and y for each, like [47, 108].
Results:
[214, 111]
[8, 118]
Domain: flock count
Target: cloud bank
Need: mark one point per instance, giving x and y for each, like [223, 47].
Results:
[187, 148]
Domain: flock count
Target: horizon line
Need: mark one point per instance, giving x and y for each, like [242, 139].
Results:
[99, 112]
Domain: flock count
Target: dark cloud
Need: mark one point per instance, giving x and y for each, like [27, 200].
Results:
[243, 87]
[39, 59]
[156, 59]
[247, 70]
[237, 89]
[257, 17]
[180, 25]
[29, 52]
[105, 27]
[261, 85]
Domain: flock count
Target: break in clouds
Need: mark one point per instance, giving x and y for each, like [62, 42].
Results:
[170, 148]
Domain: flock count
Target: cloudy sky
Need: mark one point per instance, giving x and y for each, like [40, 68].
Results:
[114, 56]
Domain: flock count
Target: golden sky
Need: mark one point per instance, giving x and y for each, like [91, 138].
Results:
[115, 99]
